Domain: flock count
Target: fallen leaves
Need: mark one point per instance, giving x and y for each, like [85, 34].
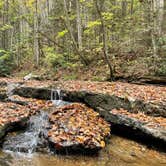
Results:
[151, 121]
[11, 112]
[77, 125]
[147, 93]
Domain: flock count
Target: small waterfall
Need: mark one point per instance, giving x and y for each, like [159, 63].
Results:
[32, 139]
[56, 95]
[56, 98]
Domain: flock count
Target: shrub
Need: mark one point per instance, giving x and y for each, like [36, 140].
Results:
[161, 70]
[56, 60]
[53, 59]
[6, 63]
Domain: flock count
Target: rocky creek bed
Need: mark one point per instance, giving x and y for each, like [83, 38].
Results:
[136, 111]
[73, 127]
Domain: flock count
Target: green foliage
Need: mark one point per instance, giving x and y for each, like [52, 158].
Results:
[107, 16]
[62, 33]
[53, 59]
[161, 71]
[6, 63]
[70, 77]
[56, 60]
[93, 24]
[5, 27]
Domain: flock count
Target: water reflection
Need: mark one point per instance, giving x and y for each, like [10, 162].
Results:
[120, 152]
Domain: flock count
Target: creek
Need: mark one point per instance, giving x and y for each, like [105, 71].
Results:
[29, 147]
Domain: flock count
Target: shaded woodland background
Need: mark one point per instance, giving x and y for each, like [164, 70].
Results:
[83, 39]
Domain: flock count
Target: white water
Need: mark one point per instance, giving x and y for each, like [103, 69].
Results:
[56, 98]
[29, 140]
[34, 137]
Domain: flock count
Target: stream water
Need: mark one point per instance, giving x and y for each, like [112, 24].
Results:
[119, 152]
[23, 148]
[56, 98]
[30, 140]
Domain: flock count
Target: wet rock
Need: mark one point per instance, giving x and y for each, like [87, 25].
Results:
[151, 130]
[31, 92]
[12, 116]
[20, 124]
[108, 102]
[77, 127]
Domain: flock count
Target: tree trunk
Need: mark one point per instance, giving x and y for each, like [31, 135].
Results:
[132, 7]
[104, 36]
[79, 25]
[164, 18]
[5, 22]
[124, 8]
[68, 26]
[36, 34]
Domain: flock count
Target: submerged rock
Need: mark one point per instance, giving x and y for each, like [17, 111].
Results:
[77, 127]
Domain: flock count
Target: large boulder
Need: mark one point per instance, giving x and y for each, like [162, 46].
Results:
[77, 127]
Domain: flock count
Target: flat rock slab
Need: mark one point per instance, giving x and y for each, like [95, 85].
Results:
[150, 127]
[12, 115]
[77, 127]
[145, 98]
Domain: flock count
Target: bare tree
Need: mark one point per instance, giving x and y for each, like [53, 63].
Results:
[36, 34]
[104, 37]
[68, 26]
[79, 26]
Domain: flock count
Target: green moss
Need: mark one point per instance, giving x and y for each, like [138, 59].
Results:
[70, 77]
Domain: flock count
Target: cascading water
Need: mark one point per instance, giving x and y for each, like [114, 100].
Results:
[56, 98]
[32, 139]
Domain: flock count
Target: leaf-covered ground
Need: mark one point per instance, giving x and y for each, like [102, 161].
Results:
[10, 113]
[147, 93]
